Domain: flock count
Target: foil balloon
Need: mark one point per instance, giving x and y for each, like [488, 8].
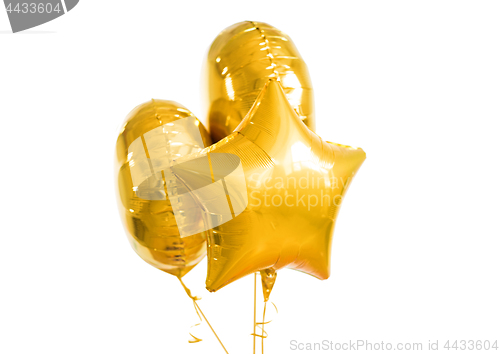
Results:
[153, 135]
[240, 62]
[163, 223]
[294, 184]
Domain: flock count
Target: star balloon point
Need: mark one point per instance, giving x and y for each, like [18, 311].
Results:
[295, 183]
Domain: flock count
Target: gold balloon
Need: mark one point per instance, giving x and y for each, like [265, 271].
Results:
[149, 220]
[240, 62]
[295, 184]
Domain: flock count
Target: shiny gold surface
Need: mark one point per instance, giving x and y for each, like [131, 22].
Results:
[150, 224]
[295, 184]
[240, 62]
[268, 278]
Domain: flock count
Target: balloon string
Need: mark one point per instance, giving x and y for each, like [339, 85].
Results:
[195, 339]
[256, 324]
[198, 312]
[254, 310]
[263, 323]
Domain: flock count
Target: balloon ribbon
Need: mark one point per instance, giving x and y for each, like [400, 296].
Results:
[198, 312]
[256, 324]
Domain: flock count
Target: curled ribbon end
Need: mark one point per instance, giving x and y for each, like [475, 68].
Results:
[195, 339]
[200, 314]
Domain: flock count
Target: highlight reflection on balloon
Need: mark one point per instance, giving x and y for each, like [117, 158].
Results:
[240, 62]
[153, 134]
[295, 184]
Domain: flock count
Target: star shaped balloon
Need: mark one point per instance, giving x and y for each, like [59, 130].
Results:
[295, 183]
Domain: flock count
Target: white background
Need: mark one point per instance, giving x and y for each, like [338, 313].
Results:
[416, 252]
